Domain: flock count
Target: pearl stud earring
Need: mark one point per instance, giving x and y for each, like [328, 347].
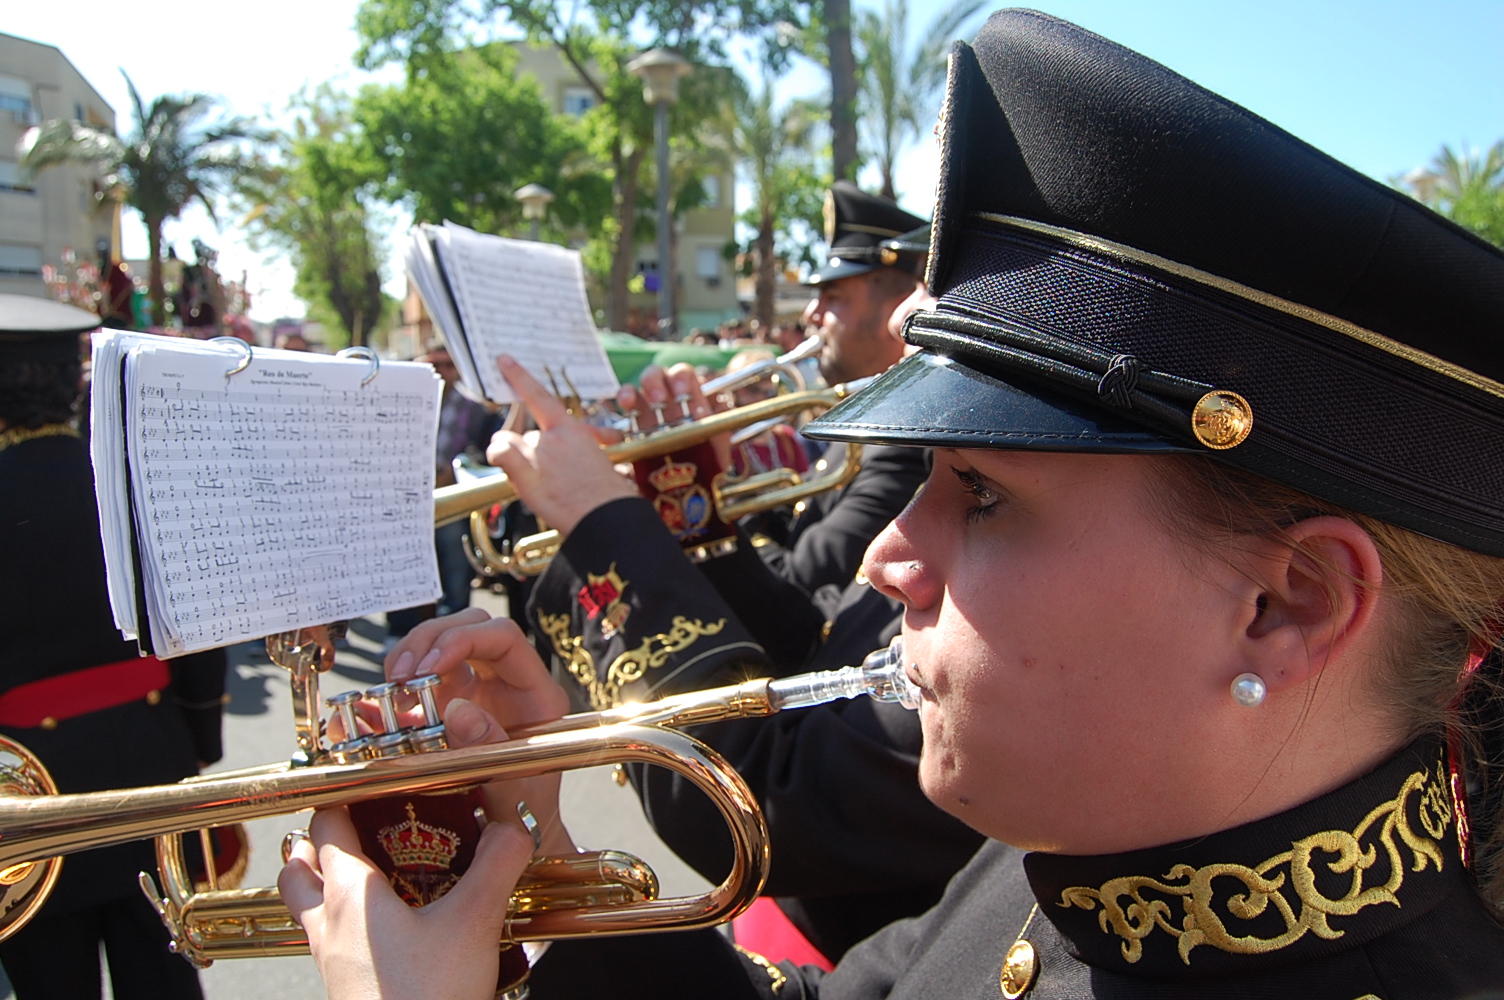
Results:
[1249, 690]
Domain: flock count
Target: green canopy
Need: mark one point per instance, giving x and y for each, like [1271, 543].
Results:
[629, 355]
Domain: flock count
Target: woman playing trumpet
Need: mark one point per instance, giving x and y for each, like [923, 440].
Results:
[1203, 590]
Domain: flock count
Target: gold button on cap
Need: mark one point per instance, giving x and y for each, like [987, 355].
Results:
[1221, 420]
[1019, 970]
[153, 697]
[49, 723]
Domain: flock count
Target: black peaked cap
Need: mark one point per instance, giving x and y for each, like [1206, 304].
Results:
[1128, 262]
[856, 226]
[37, 329]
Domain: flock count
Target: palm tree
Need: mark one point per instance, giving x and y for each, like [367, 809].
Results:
[774, 147]
[898, 92]
[171, 158]
[1466, 187]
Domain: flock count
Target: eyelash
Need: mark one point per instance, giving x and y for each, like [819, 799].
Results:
[988, 500]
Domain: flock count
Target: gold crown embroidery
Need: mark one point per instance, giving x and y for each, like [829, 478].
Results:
[1266, 885]
[673, 475]
[419, 845]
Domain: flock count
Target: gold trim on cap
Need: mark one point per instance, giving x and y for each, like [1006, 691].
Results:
[1388, 345]
[1221, 420]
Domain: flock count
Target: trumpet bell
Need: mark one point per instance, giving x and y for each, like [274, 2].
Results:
[25, 885]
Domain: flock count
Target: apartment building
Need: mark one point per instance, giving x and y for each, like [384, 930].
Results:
[58, 209]
[706, 283]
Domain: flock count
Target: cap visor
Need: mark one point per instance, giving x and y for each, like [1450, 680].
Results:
[929, 400]
[835, 272]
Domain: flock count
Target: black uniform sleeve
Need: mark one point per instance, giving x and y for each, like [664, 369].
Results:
[689, 965]
[198, 685]
[626, 614]
[827, 543]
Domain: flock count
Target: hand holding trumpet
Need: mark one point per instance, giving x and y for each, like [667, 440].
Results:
[359, 930]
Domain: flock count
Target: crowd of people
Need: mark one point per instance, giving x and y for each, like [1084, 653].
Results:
[1182, 482]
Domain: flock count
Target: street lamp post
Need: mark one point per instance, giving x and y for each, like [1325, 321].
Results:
[535, 199]
[660, 70]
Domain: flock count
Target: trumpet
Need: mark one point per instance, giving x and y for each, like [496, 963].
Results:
[593, 893]
[732, 498]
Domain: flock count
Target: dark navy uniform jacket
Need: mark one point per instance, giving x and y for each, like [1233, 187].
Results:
[54, 619]
[1359, 894]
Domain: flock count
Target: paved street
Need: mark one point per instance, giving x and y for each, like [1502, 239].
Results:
[258, 730]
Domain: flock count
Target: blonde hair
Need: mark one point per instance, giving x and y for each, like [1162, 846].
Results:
[1447, 601]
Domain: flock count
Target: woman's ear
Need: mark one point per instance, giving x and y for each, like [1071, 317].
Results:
[1316, 601]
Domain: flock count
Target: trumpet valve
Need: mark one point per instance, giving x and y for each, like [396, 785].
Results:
[431, 735]
[385, 697]
[423, 688]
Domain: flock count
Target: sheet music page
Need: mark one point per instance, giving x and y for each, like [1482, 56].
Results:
[107, 452]
[423, 268]
[283, 496]
[528, 300]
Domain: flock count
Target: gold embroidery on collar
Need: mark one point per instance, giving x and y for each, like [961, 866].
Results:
[773, 971]
[651, 653]
[20, 435]
[1202, 924]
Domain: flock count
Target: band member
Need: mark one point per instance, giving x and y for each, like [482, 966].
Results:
[96, 714]
[1203, 590]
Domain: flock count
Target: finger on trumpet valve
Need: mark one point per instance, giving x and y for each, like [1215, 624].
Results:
[290, 842]
[682, 401]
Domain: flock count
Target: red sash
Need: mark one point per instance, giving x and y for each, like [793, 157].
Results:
[48, 701]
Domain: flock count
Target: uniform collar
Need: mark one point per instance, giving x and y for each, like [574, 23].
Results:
[1331, 874]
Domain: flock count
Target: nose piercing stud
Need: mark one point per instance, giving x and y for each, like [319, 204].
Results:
[1249, 690]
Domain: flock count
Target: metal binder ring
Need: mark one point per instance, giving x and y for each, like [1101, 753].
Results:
[245, 360]
[362, 352]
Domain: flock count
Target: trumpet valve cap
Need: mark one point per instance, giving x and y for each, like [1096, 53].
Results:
[423, 688]
[344, 704]
[385, 697]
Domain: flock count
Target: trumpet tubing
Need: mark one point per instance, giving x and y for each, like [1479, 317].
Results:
[596, 893]
[453, 503]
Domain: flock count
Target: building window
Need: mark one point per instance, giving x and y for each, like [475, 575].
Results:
[708, 264]
[15, 97]
[20, 261]
[10, 178]
[578, 100]
[712, 186]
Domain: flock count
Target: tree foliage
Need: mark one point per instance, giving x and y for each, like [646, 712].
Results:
[312, 194]
[613, 162]
[178, 151]
[1467, 187]
[463, 132]
[900, 88]
[777, 152]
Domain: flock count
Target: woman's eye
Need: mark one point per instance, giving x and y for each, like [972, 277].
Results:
[987, 498]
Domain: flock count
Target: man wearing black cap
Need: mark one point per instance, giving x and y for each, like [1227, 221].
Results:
[71, 690]
[1203, 593]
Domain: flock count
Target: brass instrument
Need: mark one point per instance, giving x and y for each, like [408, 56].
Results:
[734, 498]
[593, 893]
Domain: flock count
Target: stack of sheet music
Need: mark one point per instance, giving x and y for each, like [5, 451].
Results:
[290, 493]
[491, 295]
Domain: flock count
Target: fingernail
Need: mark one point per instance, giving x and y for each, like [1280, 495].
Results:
[429, 662]
[403, 668]
[506, 361]
[464, 721]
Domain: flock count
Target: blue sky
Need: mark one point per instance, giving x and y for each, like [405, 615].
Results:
[1379, 84]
